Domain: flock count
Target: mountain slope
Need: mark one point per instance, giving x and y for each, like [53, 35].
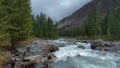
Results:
[77, 18]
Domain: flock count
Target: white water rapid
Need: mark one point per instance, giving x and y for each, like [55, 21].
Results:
[73, 57]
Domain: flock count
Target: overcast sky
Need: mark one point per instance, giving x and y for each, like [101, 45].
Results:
[57, 9]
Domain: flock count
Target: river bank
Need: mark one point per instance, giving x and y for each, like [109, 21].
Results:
[51, 53]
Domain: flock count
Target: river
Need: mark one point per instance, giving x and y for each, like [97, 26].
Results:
[70, 56]
[66, 54]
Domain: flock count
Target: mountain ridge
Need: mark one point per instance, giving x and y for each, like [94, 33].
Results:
[79, 16]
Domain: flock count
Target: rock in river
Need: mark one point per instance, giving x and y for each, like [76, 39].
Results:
[82, 47]
[48, 48]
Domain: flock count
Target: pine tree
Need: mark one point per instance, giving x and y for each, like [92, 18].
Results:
[44, 27]
[4, 19]
[21, 21]
[93, 23]
[15, 20]
[50, 28]
[109, 25]
[117, 20]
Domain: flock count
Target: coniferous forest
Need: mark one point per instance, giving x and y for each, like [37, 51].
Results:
[44, 27]
[15, 21]
[18, 24]
[97, 26]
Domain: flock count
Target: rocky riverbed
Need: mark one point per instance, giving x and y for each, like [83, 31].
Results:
[55, 54]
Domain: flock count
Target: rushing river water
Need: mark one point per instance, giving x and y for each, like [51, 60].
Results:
[71, 56]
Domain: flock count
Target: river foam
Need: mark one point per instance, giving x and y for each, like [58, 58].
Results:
[73, 57]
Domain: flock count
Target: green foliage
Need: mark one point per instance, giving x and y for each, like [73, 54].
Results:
[111, 25]
[97, 26]
[15, 21]
[93, 23]
[4, 37]
[44, 27]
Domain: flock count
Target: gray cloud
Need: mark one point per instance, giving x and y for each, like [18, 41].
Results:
[57, 9]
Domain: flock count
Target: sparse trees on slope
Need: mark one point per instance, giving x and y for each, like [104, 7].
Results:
[93, 23]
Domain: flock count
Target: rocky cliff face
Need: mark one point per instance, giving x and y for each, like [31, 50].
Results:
[78, 18]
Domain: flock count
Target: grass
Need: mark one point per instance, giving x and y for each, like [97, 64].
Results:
[5, 56]
[103, 37]
[2, 59]
[26, 42]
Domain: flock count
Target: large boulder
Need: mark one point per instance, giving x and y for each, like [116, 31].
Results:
[116, 47]
[51, 56]
[97, 43]
[101, 45]
[48, 48]
[36, 58]
[40, 65]
[82, 47]
[21, 50]
[106, 46]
